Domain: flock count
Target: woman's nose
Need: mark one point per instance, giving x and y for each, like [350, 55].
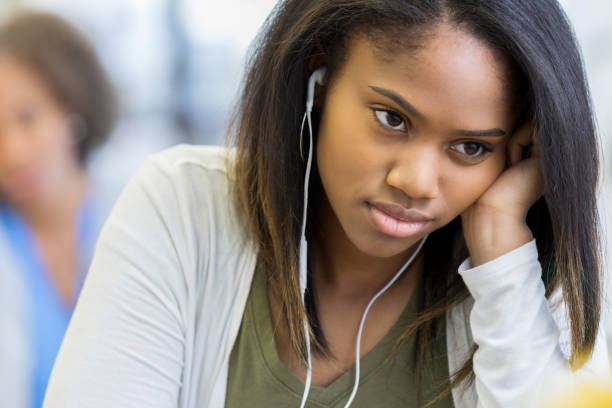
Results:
[416, 173]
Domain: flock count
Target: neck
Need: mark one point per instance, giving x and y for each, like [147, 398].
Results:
[55, 208]
[345, 269]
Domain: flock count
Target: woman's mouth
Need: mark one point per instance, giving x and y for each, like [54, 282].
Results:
[397, 221]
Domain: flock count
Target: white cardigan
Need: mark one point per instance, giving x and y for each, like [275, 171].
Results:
[164, 298]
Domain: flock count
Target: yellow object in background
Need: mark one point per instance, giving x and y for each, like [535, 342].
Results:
[587, 397]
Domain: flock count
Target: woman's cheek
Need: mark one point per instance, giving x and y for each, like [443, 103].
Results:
[345, 149]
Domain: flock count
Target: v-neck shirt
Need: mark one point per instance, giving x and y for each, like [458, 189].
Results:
[258, 377]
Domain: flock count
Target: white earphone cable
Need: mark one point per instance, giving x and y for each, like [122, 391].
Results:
[304, 256]
[365, 314]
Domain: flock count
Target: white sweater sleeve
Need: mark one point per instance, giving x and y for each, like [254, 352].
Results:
[522, 344]
[124, 346]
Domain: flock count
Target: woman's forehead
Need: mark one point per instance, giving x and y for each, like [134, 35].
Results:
[451, 70]
[444, 46]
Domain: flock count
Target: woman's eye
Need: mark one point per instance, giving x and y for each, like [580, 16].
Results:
[472, 150]
[390, 119]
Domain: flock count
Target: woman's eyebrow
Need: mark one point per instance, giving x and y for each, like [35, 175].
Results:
[496, 132]
[399, 100]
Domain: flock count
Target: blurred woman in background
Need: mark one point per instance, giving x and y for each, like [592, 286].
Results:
[56, 104]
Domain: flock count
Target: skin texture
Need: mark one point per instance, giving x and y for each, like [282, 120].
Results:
[372, 149]
[40, 176]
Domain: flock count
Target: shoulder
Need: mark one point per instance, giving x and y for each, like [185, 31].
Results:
[193, 178]
[184, 161]
[201, 156]
[186, 175]
[183, 197]
[176, 220]
[191, 184]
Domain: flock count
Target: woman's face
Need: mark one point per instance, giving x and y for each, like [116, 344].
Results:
[409, 141]
[36, 145]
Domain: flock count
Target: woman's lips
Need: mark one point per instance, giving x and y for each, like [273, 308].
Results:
[397, 221]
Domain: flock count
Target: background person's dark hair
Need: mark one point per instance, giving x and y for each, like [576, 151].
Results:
[69, 67]
[545, 70]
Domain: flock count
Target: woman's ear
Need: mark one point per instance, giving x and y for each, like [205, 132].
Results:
[317, 60]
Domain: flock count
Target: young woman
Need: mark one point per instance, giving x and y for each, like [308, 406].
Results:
[56, 104]
[289, 273]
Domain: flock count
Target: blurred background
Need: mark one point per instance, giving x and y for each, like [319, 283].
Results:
[177, 66]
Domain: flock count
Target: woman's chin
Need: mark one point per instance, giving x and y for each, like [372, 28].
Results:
[385, 247]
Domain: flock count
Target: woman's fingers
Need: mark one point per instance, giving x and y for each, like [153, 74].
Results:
[515, 153]
[523, 174]
[522, 140]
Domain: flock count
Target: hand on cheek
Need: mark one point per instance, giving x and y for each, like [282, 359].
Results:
[496, 223]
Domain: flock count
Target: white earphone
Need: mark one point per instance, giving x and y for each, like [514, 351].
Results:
[317, 77]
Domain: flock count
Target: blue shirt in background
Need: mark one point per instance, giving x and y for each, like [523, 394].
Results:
[48, 313]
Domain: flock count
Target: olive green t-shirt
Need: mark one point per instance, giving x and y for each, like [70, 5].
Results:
[258, 378]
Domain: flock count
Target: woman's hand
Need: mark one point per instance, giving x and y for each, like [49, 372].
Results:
[496, 223]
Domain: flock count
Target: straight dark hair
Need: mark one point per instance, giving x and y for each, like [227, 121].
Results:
[547, 74]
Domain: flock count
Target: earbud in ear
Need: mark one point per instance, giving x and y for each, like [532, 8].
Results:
[315, 78]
